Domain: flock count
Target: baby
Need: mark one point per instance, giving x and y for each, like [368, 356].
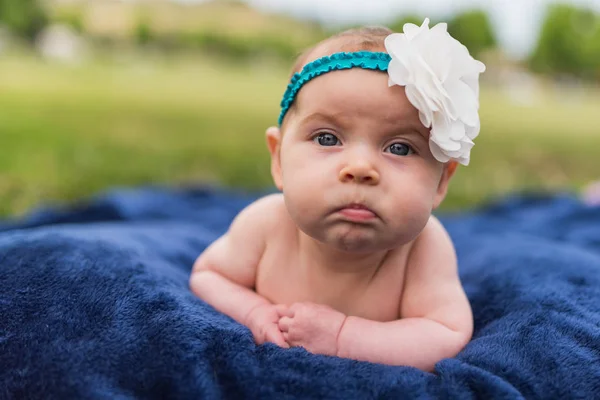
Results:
[348, 261]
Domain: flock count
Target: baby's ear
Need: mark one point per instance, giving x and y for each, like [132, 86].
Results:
[273, 136]
[447, 173]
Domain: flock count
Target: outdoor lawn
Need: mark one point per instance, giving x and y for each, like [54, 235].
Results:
[67, 132]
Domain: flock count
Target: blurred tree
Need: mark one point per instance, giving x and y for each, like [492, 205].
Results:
[473, 29]
[143, 32]
[72, 19]
[569, 42]
[592, 53]
[25, 18]
[398, 25]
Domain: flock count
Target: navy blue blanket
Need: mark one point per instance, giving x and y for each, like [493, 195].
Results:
[94, 304]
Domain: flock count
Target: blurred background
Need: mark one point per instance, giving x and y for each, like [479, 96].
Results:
[96, 94]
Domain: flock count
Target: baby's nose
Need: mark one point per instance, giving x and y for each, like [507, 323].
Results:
[359, 172]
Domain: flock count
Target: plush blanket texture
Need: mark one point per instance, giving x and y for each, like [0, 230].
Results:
[94, 304]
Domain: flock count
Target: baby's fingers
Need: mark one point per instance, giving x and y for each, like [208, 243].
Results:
[284, 324]
[274, 335]
[283, 311]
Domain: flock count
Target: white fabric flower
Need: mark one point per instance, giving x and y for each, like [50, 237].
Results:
[441, 80]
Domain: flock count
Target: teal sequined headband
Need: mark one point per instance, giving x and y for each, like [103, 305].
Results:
[362, 59]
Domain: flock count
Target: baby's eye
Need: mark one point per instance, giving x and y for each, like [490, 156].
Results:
[326, 139]
[400, 149]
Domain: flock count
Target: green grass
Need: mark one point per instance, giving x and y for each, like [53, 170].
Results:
[67, 133]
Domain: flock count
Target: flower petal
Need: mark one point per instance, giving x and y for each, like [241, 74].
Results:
[457, 130]
[411, 30]
[464, 160]
[464, 101]
[418, 101]
[396, 44]
[437, 152]
[462, 62]
[398, 74]
[473, 131]
[425, 119]
[441, 131]
[473, 82]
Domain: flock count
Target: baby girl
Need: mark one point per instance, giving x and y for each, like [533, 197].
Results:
[348, 260]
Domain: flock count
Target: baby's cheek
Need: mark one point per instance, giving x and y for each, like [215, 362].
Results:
[410, 217]
[303, 208]
[305, 174]
[303, 193]
[418, 221]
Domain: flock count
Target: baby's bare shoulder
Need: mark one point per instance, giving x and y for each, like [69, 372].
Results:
[261, 220]
[266, 209]
[431, 267]
[433, 288]
[433, 252]
[237, 253]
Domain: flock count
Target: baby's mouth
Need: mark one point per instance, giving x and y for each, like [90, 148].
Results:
[357, 212]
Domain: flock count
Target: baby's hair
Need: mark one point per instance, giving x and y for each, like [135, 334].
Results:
[368, 38]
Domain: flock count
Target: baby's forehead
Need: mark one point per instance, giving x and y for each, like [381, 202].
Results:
[356, 97]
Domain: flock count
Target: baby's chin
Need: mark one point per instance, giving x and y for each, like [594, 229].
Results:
[357, 239]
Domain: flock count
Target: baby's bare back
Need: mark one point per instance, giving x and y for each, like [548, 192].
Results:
[285, 275]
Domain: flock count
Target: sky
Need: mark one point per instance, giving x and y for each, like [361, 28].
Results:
[516, 22]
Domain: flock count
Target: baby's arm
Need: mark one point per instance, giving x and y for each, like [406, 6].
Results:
[224, 274]
[436, 320]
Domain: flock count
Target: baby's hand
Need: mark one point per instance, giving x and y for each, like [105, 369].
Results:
[262, 321]
[313, 326]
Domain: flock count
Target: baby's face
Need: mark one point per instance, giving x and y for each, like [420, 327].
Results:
[354, 163]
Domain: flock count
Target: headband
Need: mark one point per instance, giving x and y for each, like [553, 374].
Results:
[440, 77]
